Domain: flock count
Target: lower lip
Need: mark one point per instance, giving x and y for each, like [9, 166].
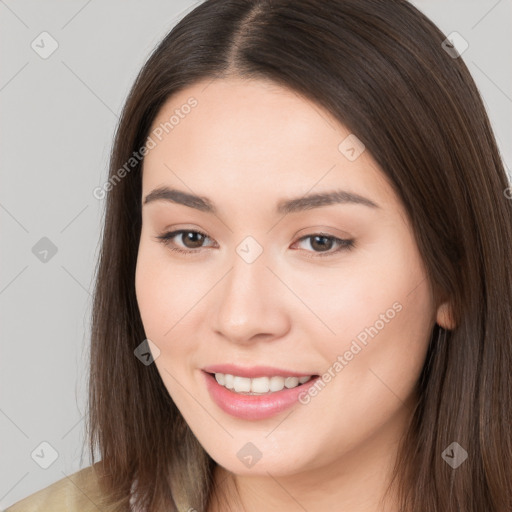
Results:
[254, 407]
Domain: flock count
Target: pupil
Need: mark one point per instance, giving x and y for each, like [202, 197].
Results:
[322, 246]
[190, 237]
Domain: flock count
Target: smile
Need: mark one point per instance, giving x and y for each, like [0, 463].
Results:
[259, 385]
[256, 398]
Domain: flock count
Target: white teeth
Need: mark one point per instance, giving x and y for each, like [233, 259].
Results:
[258, 385]
[276, 383]
[228, 381]
[242, 384]
[291, 382]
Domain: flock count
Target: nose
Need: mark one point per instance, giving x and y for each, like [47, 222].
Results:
[250, 303]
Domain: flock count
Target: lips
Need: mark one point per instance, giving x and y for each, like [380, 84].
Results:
[258, 406]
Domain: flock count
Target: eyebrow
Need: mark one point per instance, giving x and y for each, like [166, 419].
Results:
[284, 206]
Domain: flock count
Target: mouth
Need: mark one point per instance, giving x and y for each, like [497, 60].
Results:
[258, 397]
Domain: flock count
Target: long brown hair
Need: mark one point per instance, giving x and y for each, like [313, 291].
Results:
[379, 67]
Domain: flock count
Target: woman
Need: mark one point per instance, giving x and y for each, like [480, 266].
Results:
[334, 332]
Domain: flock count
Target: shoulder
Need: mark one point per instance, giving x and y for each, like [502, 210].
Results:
[78, 492]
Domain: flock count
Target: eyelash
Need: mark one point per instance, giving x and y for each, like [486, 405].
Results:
[345, 244]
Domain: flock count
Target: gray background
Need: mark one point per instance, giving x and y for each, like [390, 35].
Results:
[57, 123]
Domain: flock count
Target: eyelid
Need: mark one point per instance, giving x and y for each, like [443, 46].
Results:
[325, 230]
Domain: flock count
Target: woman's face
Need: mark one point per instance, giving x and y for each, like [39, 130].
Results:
[334, 289]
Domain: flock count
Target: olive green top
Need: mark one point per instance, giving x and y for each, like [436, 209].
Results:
[78, 492]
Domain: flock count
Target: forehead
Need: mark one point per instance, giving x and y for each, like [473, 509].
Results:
[256, 138]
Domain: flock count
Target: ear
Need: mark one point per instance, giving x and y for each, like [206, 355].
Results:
[444, 316]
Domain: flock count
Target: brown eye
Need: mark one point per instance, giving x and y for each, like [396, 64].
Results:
[192, 240]
[322, 243]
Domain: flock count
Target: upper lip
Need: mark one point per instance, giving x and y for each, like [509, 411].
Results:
[253, 371]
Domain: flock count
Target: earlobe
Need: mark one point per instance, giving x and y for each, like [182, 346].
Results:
[445, 316]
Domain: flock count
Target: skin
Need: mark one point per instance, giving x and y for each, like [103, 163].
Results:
[245, 146]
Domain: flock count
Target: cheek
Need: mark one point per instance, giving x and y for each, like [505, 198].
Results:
[383, 324]
[151, 300]
[166, 297]
[164, 294]
[379, 307]
[157, 308]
